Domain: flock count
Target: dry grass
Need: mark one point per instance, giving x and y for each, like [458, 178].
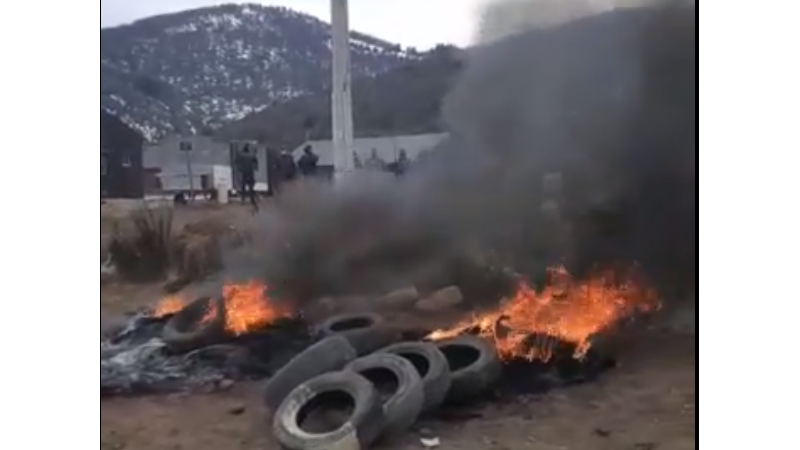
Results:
[118, 299]
[155, 242]
[107, 223]
[196, 256]
[142, 246]
[199, 233]
[232, 214]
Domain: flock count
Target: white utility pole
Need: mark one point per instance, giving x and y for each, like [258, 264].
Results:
[342, 100]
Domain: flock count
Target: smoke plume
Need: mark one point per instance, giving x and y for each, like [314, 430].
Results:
[573, 138]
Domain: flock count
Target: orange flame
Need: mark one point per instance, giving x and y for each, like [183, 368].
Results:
[247, 308]
[530, 324]
[168, 306]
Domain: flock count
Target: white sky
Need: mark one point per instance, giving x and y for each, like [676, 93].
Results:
[418, 23]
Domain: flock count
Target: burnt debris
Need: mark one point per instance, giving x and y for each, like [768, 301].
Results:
[136, 361]
[527, 376]
[523, 379]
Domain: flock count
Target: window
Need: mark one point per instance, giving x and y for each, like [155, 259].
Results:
[126, 161]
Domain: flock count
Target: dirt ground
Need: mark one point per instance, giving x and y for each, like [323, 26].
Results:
[648, 403]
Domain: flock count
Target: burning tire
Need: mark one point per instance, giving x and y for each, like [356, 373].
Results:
[328, 355]
[432, 367]
[400, 385]
[474, 366]
[200, 324]
[365, 332]
[338, 410]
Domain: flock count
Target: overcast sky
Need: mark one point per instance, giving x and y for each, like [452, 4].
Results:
[418, 23]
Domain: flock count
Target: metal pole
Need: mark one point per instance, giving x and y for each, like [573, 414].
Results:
[187, 150]
[341, 96]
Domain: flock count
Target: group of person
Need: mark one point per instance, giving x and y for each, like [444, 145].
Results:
[374, 162]
[286, 168]
[282, 168]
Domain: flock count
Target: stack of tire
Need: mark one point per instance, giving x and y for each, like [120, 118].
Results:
[346, 367]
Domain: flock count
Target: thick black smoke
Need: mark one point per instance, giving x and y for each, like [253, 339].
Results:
[608, 102]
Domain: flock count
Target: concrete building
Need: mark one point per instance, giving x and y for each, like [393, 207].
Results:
[211, 159]
[366, 150]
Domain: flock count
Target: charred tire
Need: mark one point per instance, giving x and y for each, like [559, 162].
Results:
[402, 408]
[328, 355]
[474, 366]
[432, 367]
[366, 332]
[189, 329]
[360, 430]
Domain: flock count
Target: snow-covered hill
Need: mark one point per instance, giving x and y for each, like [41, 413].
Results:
[196, 70]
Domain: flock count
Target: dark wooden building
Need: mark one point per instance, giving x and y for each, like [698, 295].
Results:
[121, 173]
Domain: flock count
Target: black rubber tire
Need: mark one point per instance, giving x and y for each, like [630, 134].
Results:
[184, 332]
[478, 376]
[436, 379]
[404, 406]
[329, 355]
[361, 430]
[366, 332]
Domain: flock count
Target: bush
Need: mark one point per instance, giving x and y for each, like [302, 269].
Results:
[197, 256]
[142, 247]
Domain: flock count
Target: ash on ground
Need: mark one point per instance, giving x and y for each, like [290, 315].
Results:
[136, 361]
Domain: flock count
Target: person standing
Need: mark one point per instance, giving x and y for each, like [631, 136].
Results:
[308, 162]
[247, 165]
[403, 163]
[288, 167]
[374, 162]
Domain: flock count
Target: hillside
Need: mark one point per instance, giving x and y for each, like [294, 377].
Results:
[193, 71]
[405, 100]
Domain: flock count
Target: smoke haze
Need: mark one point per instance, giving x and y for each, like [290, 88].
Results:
[605, 97]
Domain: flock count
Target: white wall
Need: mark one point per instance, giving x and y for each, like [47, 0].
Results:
[387, 148]
[206, 151]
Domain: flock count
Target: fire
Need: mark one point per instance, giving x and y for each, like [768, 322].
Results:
[168, 306]
[247, 308]
[210, 314]
[531, 323]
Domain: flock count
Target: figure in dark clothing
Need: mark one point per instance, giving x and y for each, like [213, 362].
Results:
[288, 167]
[308, 162]
[247, 165]
[374, 162]
[357, 163]
[402, 163]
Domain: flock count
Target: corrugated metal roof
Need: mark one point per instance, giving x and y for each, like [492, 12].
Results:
[387, 148]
